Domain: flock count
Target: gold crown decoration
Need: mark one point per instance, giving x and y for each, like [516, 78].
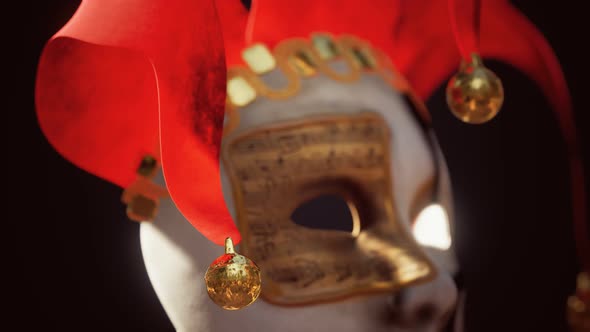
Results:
[299, 59]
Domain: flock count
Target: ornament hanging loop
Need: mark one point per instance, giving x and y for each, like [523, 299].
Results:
[229, 246]
[475, 60]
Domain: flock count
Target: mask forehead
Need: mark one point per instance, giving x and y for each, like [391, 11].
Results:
[275, 169]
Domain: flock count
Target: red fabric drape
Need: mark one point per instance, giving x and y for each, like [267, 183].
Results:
[120, 76]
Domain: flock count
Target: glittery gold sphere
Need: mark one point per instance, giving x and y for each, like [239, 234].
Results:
[578, 305]
[475, 94]
[233, 281]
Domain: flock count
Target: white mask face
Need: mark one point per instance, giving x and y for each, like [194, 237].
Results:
[177, 256]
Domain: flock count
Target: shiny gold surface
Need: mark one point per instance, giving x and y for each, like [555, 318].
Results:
[303, 63]
[299, 58]
[143, 196]
[274, 170]
[141, 208]
[346, 56]
[259, 58]
[324, 45]
[578, 305]
[262, 89]
[361, 52]
[475, 94]
[233, 281]
[239, 91]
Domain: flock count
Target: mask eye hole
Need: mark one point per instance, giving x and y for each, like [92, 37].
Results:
[431, 227]
[328, 212]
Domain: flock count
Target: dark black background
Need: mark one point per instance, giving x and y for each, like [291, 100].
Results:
[75, 260]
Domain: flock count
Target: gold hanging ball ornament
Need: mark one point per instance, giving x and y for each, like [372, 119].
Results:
[233, 281]
[578, 305]
[475, 94]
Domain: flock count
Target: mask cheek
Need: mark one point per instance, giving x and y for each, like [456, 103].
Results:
[176, 257]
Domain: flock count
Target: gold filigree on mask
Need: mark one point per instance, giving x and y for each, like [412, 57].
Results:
[275, 169]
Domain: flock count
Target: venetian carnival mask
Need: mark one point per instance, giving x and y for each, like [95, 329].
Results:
[362, 143]
[314, 152]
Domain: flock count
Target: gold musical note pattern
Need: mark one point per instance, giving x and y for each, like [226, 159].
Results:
[275, 169]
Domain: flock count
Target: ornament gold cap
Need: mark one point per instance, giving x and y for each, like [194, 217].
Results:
[229, 246]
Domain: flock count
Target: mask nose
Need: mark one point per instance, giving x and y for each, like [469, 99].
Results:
[426, 306]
